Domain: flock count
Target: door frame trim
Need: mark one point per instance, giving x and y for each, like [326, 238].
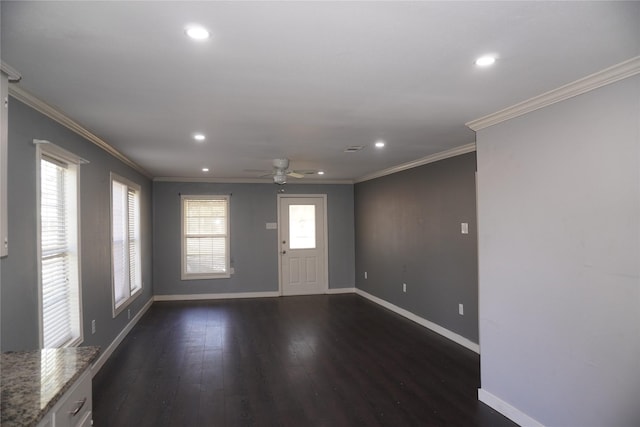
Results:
[326, 237]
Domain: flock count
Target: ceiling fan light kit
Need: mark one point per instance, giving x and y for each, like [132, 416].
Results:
[281, 163]
[280, 179]
[281, 171]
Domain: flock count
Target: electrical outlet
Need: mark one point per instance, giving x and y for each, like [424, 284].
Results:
[93, 326]
[128, 313]
[365, 274]
[404, 287]
[461, 309]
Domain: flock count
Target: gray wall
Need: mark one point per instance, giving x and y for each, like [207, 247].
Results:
[254, 249]
[559, 257]
[19, 281]
[408, 231]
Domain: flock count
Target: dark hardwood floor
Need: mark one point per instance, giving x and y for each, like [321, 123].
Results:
[336, 360]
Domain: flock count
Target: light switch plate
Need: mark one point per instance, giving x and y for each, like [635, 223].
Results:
[464, 227]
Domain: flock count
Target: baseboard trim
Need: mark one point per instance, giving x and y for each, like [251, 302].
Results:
[458, 339]
[196, 297]
[507, 410]
[336, 291]
[104, 355]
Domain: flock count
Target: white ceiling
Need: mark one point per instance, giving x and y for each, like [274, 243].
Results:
[302, 80]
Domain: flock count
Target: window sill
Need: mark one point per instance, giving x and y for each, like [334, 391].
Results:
[205, 276]
[119, 309]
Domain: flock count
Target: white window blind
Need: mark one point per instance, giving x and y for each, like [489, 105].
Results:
[60, 300]
[125, 245]
[205, 237]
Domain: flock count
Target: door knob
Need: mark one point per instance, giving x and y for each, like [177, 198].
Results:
[284, 252]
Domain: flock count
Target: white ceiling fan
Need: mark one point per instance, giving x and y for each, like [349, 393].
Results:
[281, 172]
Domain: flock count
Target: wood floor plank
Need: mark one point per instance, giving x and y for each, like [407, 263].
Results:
[326, 360]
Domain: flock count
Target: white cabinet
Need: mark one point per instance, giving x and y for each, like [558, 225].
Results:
[74, 408]
[50, 387]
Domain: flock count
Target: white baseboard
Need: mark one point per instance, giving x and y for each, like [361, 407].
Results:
[271, 294]
[507, 410]
[336, 291]
[104, 355]
[194, 297]
[459, 339]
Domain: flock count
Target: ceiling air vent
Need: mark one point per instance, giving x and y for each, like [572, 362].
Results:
[353, 148]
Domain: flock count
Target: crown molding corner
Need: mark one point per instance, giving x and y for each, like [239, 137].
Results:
[457, 151]
[53, 113]
[605, 77]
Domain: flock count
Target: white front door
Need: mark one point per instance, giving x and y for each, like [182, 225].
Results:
[303, 237]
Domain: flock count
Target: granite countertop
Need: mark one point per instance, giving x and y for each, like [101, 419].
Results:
[32, 382]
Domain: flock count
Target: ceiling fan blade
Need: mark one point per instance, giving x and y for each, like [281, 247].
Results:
[295, 174]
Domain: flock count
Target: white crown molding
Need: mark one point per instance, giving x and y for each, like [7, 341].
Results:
[250, 181]
[53, 113]
[602, 78]
[468, 148]
[212, 180]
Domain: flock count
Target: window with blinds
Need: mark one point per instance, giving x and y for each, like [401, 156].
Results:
[125, 242]
[205, 237]
[60, 306]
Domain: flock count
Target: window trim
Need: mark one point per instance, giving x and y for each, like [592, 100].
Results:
[53, 152]
[116, 310]
[204, 276]
[4, 136]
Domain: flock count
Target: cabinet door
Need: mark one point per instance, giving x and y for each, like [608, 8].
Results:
[75, 409]
[86, 421]
[46, 421]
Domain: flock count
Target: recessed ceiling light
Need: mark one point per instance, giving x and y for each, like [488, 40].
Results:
[199, 137]
[379, 144]
[320, 172]
[197, 32]
[205, 169]
[485, 61]
[353, 148]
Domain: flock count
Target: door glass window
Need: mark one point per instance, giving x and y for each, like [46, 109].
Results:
[302, 226]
